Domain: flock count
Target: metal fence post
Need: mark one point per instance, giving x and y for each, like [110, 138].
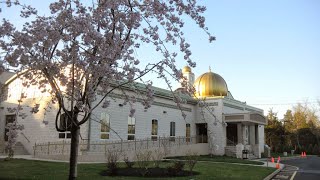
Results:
[147, 143]
[63, 147]
[121, 146]
[34, 149]
[48, 148]
[105, 147]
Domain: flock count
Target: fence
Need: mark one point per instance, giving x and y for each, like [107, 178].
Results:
[63, 147]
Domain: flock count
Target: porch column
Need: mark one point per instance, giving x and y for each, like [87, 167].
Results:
[239, 133]
[252, 134]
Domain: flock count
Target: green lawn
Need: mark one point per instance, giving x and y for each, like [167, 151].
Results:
[226, 159]
[27, 169]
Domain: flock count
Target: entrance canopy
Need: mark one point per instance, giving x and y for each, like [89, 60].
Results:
[245, 118]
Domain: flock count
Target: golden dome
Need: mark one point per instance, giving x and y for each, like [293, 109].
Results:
[210, 84]
[186, 69]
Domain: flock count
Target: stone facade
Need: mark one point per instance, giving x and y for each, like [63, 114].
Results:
[207, 120]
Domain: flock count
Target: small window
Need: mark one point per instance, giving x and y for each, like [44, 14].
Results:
[172, 131]
[131, 128]
[154, 130]
[105, 126]
[65, 124]
[188, 132]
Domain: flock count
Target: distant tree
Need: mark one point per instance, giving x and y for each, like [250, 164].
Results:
[274, 131]
[86, 49]
[306, 125]
[289, 128]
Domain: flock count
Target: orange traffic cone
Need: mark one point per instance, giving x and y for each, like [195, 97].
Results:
[305, 154]
[278, 166]
[302, 155]
[272, 159]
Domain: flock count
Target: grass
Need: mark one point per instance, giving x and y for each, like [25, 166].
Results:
[226, 159]
[27, 169]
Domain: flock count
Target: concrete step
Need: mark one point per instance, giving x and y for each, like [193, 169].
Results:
[18, 149]
[230, 151]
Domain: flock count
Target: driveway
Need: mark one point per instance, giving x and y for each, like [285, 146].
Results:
[309, 167]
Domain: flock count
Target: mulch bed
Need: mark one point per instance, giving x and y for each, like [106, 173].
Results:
[150, 172]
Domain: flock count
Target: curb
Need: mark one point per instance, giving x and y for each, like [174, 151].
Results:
[274, 172]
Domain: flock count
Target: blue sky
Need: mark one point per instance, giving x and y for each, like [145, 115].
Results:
[267, 51]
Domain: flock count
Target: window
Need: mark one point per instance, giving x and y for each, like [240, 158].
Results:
[131, 128]
[172, 131]
[105, 126]
[154, 130]
[188, 132]
[65, 124]
[9, 119]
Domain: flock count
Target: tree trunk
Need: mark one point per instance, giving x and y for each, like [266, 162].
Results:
[75, 132]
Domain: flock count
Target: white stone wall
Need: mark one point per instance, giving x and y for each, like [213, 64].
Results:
[38, 127]
[119, 120]
[216, 128]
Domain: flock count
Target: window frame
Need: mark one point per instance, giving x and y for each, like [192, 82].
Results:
[104, 126]
[154, 129]
[64, 125]
[172, 131]
[188, 132]
[132, 124]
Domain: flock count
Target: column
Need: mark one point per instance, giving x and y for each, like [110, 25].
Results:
[252, 135]
[239, 133]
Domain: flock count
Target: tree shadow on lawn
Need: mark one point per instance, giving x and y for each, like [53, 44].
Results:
[150, 172]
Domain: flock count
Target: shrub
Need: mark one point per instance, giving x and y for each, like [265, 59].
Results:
[143, 161]
[316, 150]
[191, 161]
[309, 149]
[157, 156]
[112, 161]
[176, 168]
[129, 163]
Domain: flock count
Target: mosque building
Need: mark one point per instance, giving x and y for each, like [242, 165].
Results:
[215, 122]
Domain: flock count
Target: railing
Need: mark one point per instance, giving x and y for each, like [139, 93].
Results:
[231, 143]
[63, 147]
[202, 139]
[25, 136]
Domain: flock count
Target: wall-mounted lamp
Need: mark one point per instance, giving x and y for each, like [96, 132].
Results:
[164, 112]
[120, 105]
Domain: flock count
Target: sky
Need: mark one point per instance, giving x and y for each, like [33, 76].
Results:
[268, 52]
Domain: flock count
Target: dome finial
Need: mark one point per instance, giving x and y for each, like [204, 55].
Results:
[209, 68]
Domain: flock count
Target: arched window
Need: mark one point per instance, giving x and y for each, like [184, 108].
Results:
[154, 129]
[105, 126]
[172, 131]
[131, 127]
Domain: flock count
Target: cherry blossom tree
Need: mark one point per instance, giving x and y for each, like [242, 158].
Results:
[81, 52]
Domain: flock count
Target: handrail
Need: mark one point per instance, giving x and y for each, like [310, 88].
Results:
[25, 136]
[231, 142]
